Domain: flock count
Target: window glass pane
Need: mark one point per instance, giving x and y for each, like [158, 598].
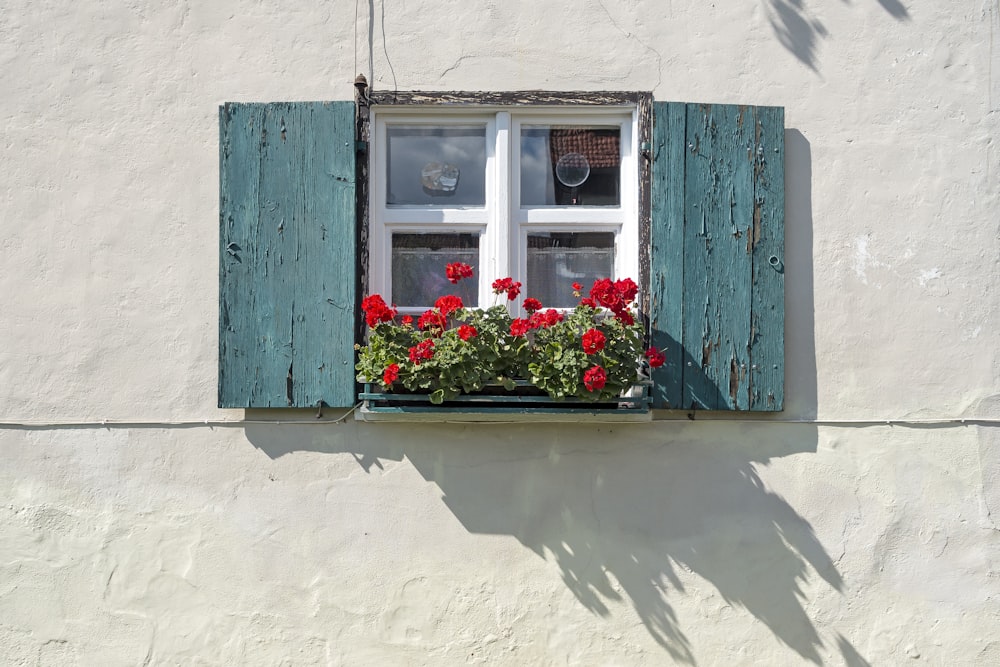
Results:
[570, 166]
[557, 260]
[418, 268]
[443, 166]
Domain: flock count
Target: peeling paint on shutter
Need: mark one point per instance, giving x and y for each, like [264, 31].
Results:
[287, 267]
[717, 292]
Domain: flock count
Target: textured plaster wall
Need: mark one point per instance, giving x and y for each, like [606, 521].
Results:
[170, 540]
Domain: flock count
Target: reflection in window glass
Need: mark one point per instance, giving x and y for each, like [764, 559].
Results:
[570, 166]
[443, 166]
[418, 268]
[557, 260]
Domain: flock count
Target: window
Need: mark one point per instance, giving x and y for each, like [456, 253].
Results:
[297, 236]
[546, 194]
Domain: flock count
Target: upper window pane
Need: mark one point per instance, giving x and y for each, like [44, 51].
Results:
[570, 165]
[442, 166]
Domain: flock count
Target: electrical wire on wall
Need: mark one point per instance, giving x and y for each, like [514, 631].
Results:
[385, 50]
[370, 24]
[944, 422]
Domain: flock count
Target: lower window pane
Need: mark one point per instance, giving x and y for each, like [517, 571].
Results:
[418, 268]
[557, 260]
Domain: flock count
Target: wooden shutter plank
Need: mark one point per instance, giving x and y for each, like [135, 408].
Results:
[717, 285]
[767, 341]
[272, 255]
[287, 267]
[324, 312]
[240, 160]
[667, 250]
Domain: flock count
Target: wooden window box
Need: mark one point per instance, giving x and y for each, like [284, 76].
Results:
[524, 403]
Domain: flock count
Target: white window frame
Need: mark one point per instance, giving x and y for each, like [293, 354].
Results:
[502, 223]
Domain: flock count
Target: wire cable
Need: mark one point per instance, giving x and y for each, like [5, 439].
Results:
[236, 423]
[385, 50]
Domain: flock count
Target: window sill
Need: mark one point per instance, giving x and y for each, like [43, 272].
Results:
[503, 407]
[442, 415]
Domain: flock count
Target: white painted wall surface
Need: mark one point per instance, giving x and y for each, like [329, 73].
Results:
[169, 540]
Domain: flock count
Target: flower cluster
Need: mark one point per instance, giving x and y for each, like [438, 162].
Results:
[591, 352]
[655, 357]
[433, 321]
[593, 341]
[391, 374]
[456, 271]
[422, 351]
[616, 296]
[595, 378]
[465, 332]
[546, 319]
[447, 305]
[513, 289]
[376, 310]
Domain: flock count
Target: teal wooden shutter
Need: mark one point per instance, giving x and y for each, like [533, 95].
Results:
[717, 281]
[287, 263]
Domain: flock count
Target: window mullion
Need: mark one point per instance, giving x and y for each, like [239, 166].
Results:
[380, 245]
[499, 245]
[627, 255]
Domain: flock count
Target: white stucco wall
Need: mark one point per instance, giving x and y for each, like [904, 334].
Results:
[164, 535]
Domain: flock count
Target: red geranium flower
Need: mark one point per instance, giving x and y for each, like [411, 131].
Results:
[432, 319]
[390, 374]
[588, 302]
[552, 316]
[615, 296]
[604, 293]
[577, 287]
[372, 302]
[595, 378]
[422, 351]
[465, 332]
[507, 285]
[656, 358]
[406, 320]
[376, 310]
[448, 304]
[544, 320]
[593, 341]
[456, 271]
[519, 327]
[627, 289]
[531, 304]
[625, 317]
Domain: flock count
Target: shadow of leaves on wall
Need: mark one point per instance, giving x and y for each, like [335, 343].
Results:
[638, 513]
[800, 32]
[896, 9]
[624, 519]
[795, 30]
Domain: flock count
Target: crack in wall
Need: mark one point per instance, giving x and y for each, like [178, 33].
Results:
[629, 35]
